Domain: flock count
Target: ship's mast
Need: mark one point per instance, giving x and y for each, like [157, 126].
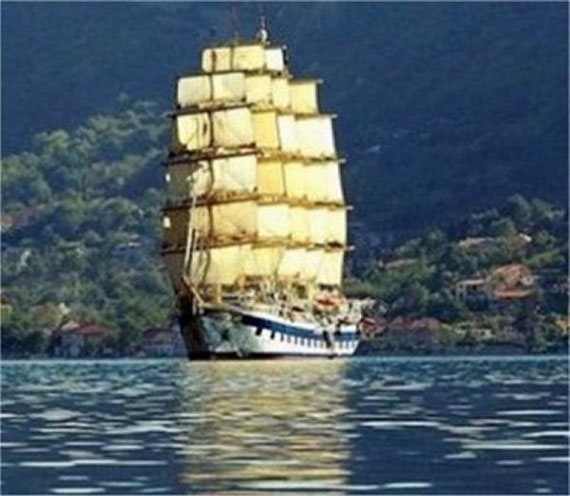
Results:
[235, 22]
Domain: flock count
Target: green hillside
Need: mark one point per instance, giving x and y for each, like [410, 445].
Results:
[80, 228]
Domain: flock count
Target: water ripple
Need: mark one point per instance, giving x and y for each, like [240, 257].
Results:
[370, 426]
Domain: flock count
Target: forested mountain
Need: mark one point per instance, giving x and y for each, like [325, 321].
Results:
[80, 222]
[443, 108]
[445, 111]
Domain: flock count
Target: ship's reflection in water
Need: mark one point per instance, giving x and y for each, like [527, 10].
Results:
[270, 425]
[358, 426]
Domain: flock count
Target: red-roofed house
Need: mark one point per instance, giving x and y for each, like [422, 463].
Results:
[73, 340]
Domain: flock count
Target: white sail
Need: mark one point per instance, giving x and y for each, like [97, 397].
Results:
[232, 127]
[280, 93]
[317, 192]
[222, 265]
[228, 86]
[248, 57]
[287, 133]
[296, 181]
[235, 174]
[252, 57]
[318, 217]
[324, 178]
[303, 95]
[300, 224]
[315, 135]
[263, 260]
[311, 263]
[193, 90]
[258, 89]
[270, 180]
[273, 220]
[265, 129]
[230, 220]
[226, 220]
[291, 263]
[217, 59]
[275, 132]
[331, 176]
[336, 226]
[191, 132]
[330, 268]
[274, 59]
[206, 88]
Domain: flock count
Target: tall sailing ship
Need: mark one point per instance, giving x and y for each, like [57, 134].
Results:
[254, 225]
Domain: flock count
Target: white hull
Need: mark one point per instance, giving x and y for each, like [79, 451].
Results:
[242, 334]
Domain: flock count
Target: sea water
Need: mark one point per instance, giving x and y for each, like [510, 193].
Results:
[351, 426]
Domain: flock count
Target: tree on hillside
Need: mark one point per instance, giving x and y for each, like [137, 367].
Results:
[518, 209]
[504, 227]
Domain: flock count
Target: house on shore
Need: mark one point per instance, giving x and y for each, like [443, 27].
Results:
[74, 340]
[506, 283]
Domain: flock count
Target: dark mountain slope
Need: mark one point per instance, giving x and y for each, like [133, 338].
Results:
[443, 108]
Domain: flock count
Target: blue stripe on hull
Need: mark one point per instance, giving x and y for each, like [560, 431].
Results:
[253, 356]
[292, 330]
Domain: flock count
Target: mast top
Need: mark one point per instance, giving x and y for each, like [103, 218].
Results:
[262, 34]
[235, 22]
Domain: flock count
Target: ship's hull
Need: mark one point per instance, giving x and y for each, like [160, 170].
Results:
[236, 333]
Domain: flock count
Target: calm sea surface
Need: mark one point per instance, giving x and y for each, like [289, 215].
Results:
[356, 426]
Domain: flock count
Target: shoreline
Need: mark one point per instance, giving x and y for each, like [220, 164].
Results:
[373, 348]
[457, 353]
